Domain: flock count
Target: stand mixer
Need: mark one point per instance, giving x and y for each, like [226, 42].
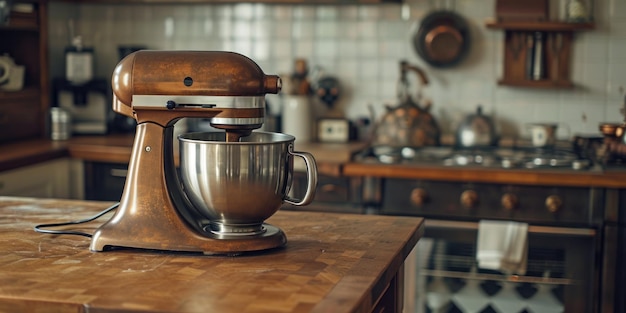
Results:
[158, 88]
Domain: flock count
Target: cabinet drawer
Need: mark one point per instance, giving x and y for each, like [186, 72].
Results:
[49, 179]
[104, 181]
[333, 194]
[23, 115]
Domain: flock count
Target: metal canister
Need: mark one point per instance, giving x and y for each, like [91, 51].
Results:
[60, 124]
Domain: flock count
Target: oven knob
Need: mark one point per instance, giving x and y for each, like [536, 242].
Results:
[419, 196]
[509, 201]
[469, 199]
[553, 203]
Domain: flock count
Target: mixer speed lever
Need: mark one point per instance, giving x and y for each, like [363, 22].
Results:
[171, 104]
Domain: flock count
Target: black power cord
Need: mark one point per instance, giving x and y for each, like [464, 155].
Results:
[39, 228]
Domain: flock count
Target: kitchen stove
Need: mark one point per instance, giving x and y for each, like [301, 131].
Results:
[493, 157]
[567, 244]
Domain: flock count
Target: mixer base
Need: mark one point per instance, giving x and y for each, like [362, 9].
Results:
[210, 244]
[221, 230]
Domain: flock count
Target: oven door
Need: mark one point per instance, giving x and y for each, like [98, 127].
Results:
[561, 276]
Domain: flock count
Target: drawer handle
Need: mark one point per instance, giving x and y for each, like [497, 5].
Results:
[117, 172]
[331, 188]
[419, 197]
[509, 202]
[553, 203]
[469, 199]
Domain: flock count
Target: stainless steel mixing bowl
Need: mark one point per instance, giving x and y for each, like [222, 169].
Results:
[241, 184]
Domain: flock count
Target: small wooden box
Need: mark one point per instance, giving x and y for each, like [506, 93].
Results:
[516, 10]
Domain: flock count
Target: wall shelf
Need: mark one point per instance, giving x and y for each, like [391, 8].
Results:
[327, 2]
[550, 26]
[537, 54]
[25, 40]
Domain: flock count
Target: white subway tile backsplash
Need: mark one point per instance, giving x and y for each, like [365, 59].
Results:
[367, 29]
[326, 49]
[368, 48]
[347, 71]
[368, 12]
[348, 49]
[242, 29]
[348, 29]
[362, 45]
[304, 12]
[618, 9]
[303, 29]
[326, 29]
[303, 49]
[326, 12]
[612, 112]
[392, 30]
[243, 11]
[391, 48]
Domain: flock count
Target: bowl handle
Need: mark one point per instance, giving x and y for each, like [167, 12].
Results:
[311, 181]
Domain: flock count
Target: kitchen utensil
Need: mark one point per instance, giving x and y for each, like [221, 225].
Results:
[476, 130]
[156, 211]
[543, 135]
[88, 104]
[60, 124]
[5, 11]
[79, 62]
[327, 90]
[219, 177]
[612, 129]
[334, 130]
[539, 65]
[297, 117]
[443, 39]
[576, 12]
[408, 124]
[11, 74]
[530, 55]
[587, 146]
[556, 44]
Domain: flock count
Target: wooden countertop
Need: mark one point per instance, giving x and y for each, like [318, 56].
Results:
[545, 177]
[332, 159]
[23, 153]
[332, 263]
[117, 149]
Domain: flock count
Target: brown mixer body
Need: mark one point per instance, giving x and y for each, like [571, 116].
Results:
[157, 88]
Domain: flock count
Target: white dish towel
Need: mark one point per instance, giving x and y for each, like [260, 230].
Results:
[502, 246]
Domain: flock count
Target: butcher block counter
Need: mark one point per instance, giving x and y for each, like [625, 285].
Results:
[117, 148]
[332, 159]
[331, 263]
[615, 178]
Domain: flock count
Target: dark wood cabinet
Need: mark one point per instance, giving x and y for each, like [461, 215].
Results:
[552, 70]
[240, 1]
[104, 181]
[24, 39]
[333, 194]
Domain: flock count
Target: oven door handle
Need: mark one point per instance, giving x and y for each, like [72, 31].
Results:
[533, 229]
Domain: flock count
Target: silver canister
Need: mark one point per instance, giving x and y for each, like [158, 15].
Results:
[60, 124]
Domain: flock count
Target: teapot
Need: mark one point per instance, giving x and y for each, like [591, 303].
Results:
[476, 130]
[408, 124]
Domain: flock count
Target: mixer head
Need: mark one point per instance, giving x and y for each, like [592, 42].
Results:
[164, 86]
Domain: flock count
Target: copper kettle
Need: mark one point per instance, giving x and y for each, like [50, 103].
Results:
[408, 124]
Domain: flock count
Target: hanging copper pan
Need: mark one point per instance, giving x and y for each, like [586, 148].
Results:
[443, 39]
